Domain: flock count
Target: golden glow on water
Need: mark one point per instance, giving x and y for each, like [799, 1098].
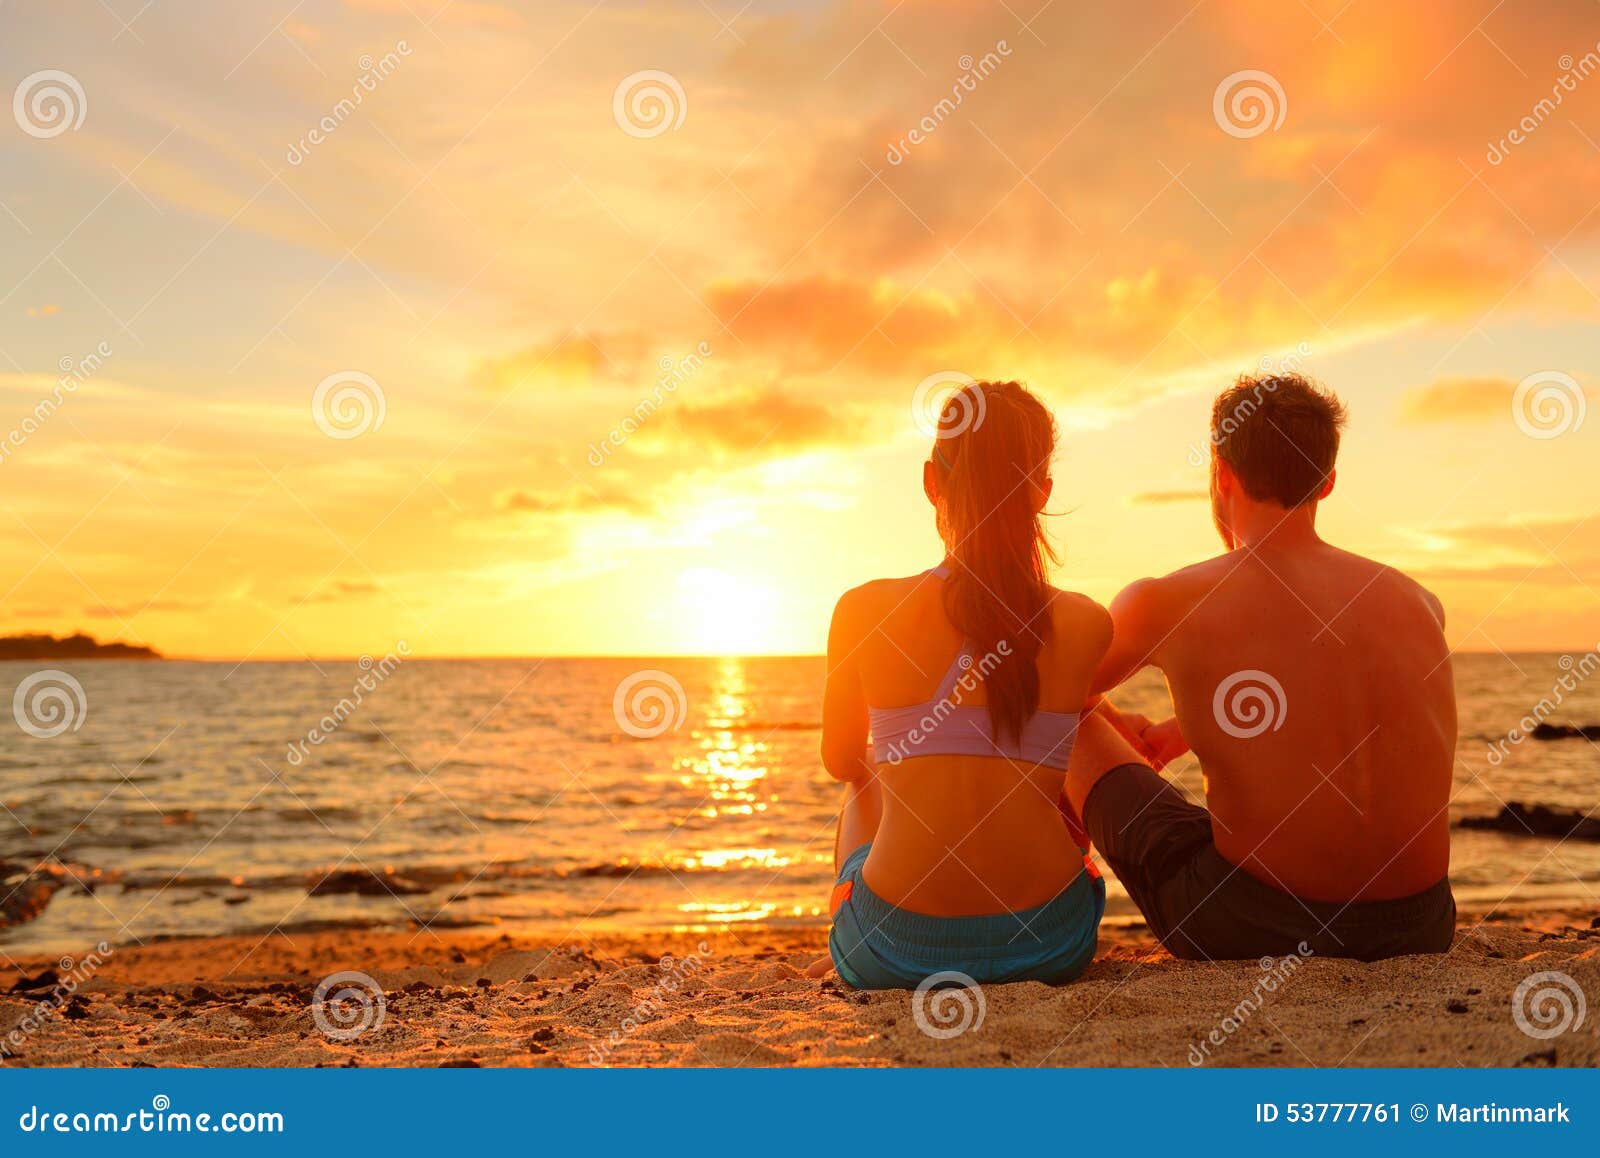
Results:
[731, 763]
[729, 912]
[717, 858]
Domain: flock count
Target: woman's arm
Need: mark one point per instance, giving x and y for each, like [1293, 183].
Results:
[844, 701]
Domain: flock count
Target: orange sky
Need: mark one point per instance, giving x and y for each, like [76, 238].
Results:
[647, 385]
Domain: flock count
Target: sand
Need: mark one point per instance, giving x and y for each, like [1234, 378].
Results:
[742, 998]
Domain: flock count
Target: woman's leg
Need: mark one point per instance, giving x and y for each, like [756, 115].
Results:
[858, 818]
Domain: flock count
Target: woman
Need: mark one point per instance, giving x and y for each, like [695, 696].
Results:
[954, 853]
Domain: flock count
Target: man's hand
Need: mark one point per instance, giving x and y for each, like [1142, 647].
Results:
[1159, 743]
[1162, 743]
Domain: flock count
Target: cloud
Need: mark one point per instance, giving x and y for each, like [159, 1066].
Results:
[468, 12]
[772, 421]
[1162, 498]
[1458, 400]
[127, 611]
[574, 359]
[339, 591]
[575, 501]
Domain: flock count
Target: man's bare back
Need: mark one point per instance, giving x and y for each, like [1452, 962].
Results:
[1315, 687]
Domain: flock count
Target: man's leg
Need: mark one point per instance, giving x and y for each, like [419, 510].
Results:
[1098, 748]
[1146, 830]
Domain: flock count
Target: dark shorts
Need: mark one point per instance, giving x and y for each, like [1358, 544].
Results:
[1204, 908]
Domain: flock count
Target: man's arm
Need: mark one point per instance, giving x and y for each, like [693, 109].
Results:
[1137, 631]
[1140, 625]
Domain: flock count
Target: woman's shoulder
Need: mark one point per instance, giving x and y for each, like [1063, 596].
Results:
[876, 592]
[1078, 615]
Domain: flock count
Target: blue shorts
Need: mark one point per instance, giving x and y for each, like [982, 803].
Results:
[875, 945]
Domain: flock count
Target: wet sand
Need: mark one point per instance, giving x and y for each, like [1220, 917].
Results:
[742, 998]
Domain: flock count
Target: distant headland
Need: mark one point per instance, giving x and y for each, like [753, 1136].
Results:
[76, 646]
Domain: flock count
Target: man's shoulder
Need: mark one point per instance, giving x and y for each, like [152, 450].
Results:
[1378, 575]
[1183, 585]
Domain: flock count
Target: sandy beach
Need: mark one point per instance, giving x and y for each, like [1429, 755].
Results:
[742, 999]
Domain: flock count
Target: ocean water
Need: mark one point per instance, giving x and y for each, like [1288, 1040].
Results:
[197, 798]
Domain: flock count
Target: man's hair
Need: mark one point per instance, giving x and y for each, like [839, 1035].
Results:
[1280, 435]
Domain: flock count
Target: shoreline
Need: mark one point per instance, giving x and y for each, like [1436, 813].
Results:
[741, 998]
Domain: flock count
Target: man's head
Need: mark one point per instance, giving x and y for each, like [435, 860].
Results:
[1274, 440]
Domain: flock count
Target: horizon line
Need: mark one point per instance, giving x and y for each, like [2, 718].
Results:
[160, 657]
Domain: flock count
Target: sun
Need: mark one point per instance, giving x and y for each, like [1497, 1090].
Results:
[724, 614]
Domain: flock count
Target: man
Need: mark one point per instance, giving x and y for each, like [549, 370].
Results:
[1315, 687]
